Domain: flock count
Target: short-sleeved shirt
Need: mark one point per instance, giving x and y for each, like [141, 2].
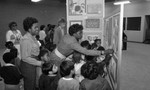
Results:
[68, 84]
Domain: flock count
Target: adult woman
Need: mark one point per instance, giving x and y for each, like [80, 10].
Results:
[69, 43]
[29, 52]
[14, 35]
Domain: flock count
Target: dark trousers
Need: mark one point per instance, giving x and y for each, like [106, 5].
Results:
[124, 45]
[29, 75]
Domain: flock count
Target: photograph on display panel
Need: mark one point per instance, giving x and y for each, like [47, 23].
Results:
[94, 9]
[112, 71]
[75, 22]
[76, 7]
[92, 23]
[92, 36]
[109, 31]
[115, 40]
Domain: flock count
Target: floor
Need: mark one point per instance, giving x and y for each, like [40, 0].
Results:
[135, 67]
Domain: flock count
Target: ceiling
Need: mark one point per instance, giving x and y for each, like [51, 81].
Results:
[58, 1]
[61, 1]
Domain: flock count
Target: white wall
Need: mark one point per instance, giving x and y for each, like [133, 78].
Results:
[134, 9]
[138, 9]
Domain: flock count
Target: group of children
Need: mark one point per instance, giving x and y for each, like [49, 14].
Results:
[80, 73]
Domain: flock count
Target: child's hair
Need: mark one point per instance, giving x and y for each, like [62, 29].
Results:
[9, 44]
[14, 52]
[90, 70]
[101, 68]
[8, 57]
[76, 57]
[85, 44]
[89, 58]
[42, 27]
[46, 67]
[62, 20]
[66, 67]
[42, 53]
[97, 40]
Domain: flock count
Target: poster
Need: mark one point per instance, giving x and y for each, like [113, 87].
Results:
[76, 7]
[75, 22]
[115, 39]
[94, 9]
[92, 36]
[92, 23]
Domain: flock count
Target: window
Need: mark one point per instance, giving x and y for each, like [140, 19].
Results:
[134, 23]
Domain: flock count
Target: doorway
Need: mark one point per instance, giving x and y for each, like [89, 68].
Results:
[147, 32]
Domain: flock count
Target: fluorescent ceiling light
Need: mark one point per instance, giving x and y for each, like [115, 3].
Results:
[35, 0]
[122, 2]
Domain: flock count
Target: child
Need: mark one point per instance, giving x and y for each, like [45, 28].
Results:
[78, 63]
[9, 45]
[43, 56]
[49, 78]
[93, 81]
[67, 82]
[97, 45]
[10, 73]
[85, 44]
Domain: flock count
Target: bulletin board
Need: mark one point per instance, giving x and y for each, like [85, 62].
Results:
[112, 37]
[89, 14]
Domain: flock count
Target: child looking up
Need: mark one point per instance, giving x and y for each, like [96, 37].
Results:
[49, 78]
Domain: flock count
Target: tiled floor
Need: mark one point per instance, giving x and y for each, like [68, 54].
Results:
[135, 67]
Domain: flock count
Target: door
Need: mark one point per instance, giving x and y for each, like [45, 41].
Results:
[147, 33]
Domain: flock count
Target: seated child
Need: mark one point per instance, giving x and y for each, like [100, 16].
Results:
[49, 78]
[10, 73]
[78, 63]
[92, 81]
[67, 82]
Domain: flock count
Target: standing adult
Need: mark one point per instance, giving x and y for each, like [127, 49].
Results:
[69, 43]
[14, 35]
[124, 41]
[29, 52]
[42, 35]
[59, 31]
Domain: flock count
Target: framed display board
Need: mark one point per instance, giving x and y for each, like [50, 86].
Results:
[76, 7]
[75, 22]
[92, 23]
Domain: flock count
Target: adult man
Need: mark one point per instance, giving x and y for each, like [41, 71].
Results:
[69, 43]
[59, 31]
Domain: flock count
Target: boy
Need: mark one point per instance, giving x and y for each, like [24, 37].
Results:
[43, 56]
[93, 81]
[77, 59]
[67, 82]
[49, 78]
[9, 72]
